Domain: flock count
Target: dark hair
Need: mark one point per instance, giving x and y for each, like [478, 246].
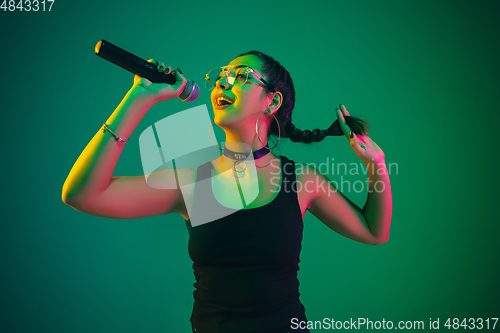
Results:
[279, 78]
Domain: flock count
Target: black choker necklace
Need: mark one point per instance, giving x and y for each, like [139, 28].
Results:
[240, 165]
[242, 156]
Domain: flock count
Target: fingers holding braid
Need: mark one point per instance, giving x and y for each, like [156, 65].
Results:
[364, 147]
[348, 132]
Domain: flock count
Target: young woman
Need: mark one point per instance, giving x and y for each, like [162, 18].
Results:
[245, 254]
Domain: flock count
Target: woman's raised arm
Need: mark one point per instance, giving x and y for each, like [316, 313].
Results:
[371, 223]
[90, 186]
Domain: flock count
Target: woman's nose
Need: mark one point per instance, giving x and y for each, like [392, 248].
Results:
[222, 82]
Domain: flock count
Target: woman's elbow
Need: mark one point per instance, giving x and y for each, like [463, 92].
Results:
[380, 240]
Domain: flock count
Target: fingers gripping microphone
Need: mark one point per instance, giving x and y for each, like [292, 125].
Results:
[141, 67]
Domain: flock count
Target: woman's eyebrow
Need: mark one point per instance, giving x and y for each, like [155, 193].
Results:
[241, 66]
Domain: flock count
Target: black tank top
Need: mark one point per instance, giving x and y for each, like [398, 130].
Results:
[245, 264]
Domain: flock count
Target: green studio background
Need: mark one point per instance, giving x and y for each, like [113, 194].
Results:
[423, 73]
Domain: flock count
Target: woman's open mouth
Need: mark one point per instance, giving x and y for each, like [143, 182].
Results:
[222, 101]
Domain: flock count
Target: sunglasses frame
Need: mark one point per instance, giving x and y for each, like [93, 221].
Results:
[248, 70]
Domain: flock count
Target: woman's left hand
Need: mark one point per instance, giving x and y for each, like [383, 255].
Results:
[366, 149]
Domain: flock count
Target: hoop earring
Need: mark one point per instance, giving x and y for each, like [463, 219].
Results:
[257, 131]
[210, 137]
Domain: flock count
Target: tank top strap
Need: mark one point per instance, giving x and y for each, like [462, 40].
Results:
[289, 184]
[205, 206]
[203, 195]
[203, 171]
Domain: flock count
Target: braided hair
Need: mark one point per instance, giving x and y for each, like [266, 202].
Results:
[279, 78]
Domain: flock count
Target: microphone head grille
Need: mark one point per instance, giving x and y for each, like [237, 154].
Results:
[190, 92]
[195, 93]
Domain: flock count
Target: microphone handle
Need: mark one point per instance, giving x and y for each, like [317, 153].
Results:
[132, 63]
[141, 67]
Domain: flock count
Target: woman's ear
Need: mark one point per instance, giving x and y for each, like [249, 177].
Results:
[276, 101]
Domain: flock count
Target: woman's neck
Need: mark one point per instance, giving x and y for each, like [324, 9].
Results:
[247, 141]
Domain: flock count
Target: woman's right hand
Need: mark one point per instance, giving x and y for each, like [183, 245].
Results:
[160, 92]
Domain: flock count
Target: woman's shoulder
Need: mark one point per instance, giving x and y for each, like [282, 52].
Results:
[304, 171]
[306, 178]
[288, 163]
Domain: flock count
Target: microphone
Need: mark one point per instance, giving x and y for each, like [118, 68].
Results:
[141, 67]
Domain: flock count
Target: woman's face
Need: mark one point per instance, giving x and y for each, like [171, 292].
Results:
[250, 99]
